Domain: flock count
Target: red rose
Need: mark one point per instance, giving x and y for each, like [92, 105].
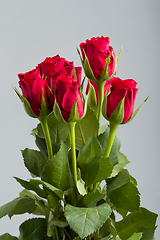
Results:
[52, 67]
[33, 86]
[97, 51]
[67, 94]
[121, 90]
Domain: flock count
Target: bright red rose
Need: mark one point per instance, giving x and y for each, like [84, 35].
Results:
[67, 94]
[97, 51]
[33, 86]
[107, 87]
[52, 67]
[122, 89]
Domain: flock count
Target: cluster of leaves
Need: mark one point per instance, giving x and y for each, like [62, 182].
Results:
[66, 211]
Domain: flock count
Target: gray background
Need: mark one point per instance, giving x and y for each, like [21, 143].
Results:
[32, 30]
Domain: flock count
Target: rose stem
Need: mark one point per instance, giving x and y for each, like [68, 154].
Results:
[100, 86]
[44, 124]
[73, 149]
[112, 132]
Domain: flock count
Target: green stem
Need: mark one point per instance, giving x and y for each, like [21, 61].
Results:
[112, 132]
[73, 149]
[100, 86]
[44, 124]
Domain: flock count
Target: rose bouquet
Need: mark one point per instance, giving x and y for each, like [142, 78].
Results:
[78, 182]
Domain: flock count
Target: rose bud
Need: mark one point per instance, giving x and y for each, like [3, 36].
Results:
[36, 95]
[52, 67]
[118, 106]
[69, 99]
[98, 58]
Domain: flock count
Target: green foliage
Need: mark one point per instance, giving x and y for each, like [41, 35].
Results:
[57, 171]
[85, 128]
[123, 193]
[34, 228]
[114, 154]
[83, 209]
[7, 236]
[34, 161]
[134, 221]
[86, 221]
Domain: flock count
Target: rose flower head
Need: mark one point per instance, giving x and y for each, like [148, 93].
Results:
[52, 67]
[119, 104]
[37, 98]
[69, 99]
[98, 58]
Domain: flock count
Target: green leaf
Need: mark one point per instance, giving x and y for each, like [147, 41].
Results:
[41, 144]
[8, 207]
[148, 233]
[114, 154]
[55, 190]
[34, 161]
[58, 130]
[103, 128]
[39, 203]
[88, 159]
[32, 187]
[123, 161]
[85, 221]
[7, 236]
[81, 187]
[18, 206]
[24, 205]
[57, 171]
[85, 128]
[135, 236]
[134, 221]
[123, 193]
[58, 222]
[90, 199]
[112, 227]
[104, 170]
[35, 228]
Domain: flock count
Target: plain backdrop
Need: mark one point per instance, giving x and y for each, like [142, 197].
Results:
[31, 30]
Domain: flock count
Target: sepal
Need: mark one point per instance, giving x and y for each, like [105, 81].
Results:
[92, 100]
[57, 112]
[44, 109]
[74, 115]
[118, 113]
[87, 67]
[27, 106]
[137, 110]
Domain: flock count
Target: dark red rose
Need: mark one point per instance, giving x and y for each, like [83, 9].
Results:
[122, 89]
[33, 86]
[97, 51]
[52, 67]
[67, 94]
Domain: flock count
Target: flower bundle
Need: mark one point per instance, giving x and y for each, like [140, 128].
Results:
[78, 179]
